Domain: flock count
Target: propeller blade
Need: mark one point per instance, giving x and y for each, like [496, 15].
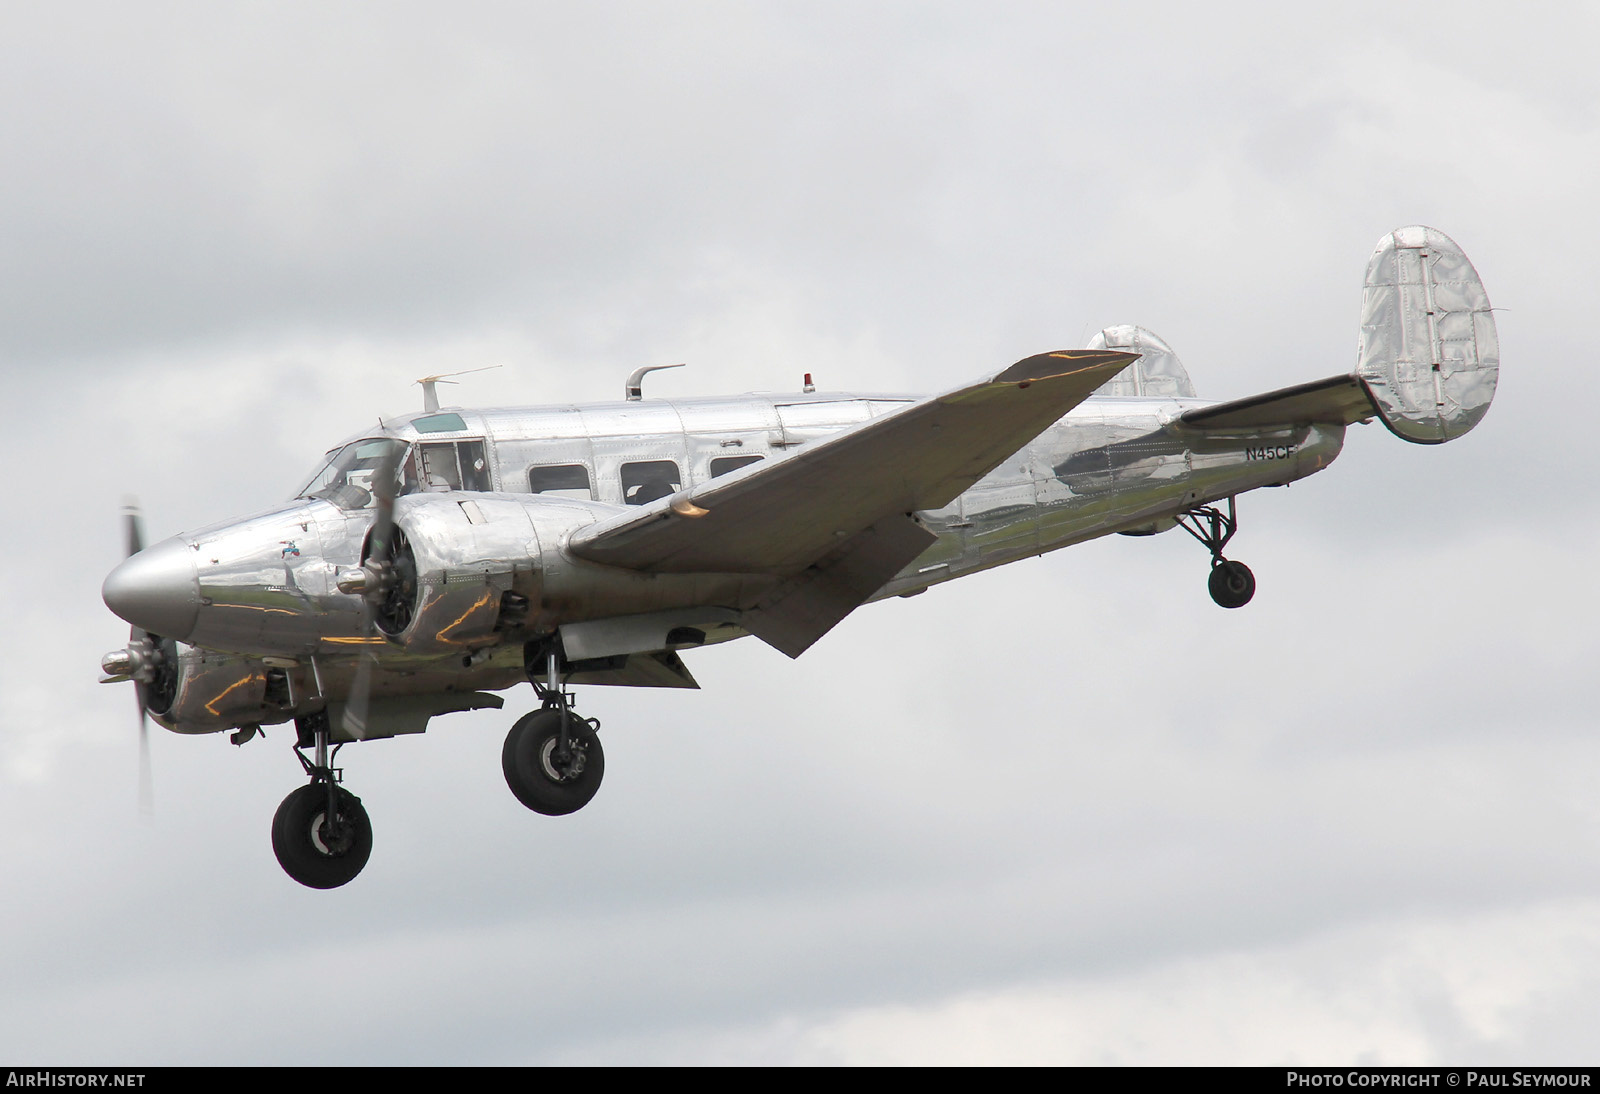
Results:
[147, 793]
[359, 703]
[140, 652]
[385, 486]
[132, 526]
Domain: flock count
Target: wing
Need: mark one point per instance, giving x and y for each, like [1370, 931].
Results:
[1340, 400]
[834, 520]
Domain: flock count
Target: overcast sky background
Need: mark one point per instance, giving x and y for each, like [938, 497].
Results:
[1067, 811]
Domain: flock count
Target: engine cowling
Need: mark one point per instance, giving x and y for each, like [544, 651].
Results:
[465, 572]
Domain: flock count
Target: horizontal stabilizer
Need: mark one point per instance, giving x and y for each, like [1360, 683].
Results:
[1338, 400]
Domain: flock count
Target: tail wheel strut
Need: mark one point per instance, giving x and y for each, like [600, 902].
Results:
[1231, 583]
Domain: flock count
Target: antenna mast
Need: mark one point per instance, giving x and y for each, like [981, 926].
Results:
[430, 395]
[634, 391]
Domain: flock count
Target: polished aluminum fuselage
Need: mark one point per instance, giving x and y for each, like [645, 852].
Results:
[276, 637]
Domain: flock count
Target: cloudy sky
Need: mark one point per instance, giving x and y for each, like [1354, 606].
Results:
[1068, 811]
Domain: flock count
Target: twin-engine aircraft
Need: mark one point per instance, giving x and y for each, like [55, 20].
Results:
[454, 553]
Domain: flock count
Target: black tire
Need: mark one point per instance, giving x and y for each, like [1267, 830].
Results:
[532, 773]
[300, 837]
[1232, 584]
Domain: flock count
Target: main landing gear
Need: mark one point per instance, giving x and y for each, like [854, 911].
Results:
[552, 758]
[1231, 583]
[320, 833]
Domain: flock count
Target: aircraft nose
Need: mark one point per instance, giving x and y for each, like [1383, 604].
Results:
[157, 590]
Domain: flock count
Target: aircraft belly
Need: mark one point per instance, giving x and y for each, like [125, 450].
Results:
[222, 691]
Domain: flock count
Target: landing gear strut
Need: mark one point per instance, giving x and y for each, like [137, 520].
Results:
[320, 833]
[552, 758]
[1231, 583]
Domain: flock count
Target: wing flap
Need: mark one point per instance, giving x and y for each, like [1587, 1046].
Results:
[782, 516]
[1340, 400]
[810, 604]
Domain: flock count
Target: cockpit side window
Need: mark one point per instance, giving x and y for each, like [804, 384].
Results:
[452, 465]
[441, 470]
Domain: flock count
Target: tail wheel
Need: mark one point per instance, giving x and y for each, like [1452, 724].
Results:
[538, 775]
[319, 852]
[1232, 584]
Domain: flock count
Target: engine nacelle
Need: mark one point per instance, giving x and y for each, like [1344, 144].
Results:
[467, 572]
[203, 691]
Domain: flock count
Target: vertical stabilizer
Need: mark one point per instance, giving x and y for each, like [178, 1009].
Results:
[1157, 373]
[1429, 354]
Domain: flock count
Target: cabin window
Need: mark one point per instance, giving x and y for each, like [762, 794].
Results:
[723, 464]
[565, 480]
[647, 480]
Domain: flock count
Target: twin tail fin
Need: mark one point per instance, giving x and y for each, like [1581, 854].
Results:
[1426, 365]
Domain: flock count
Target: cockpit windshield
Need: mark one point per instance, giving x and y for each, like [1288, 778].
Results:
[345, 477]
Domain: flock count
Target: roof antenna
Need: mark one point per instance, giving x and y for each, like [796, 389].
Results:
[430, 397]
[634, 391]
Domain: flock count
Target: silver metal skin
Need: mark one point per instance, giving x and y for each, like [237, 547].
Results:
[579, 523]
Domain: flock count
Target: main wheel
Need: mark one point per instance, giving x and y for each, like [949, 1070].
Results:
[538, 777]
[1232, 584]
[310, 849]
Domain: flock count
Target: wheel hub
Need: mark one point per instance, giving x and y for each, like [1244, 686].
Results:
[331, 839]
[555, 768]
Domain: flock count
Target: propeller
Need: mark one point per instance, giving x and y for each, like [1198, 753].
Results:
[135, 532]
[386, 581]
[150, 661]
